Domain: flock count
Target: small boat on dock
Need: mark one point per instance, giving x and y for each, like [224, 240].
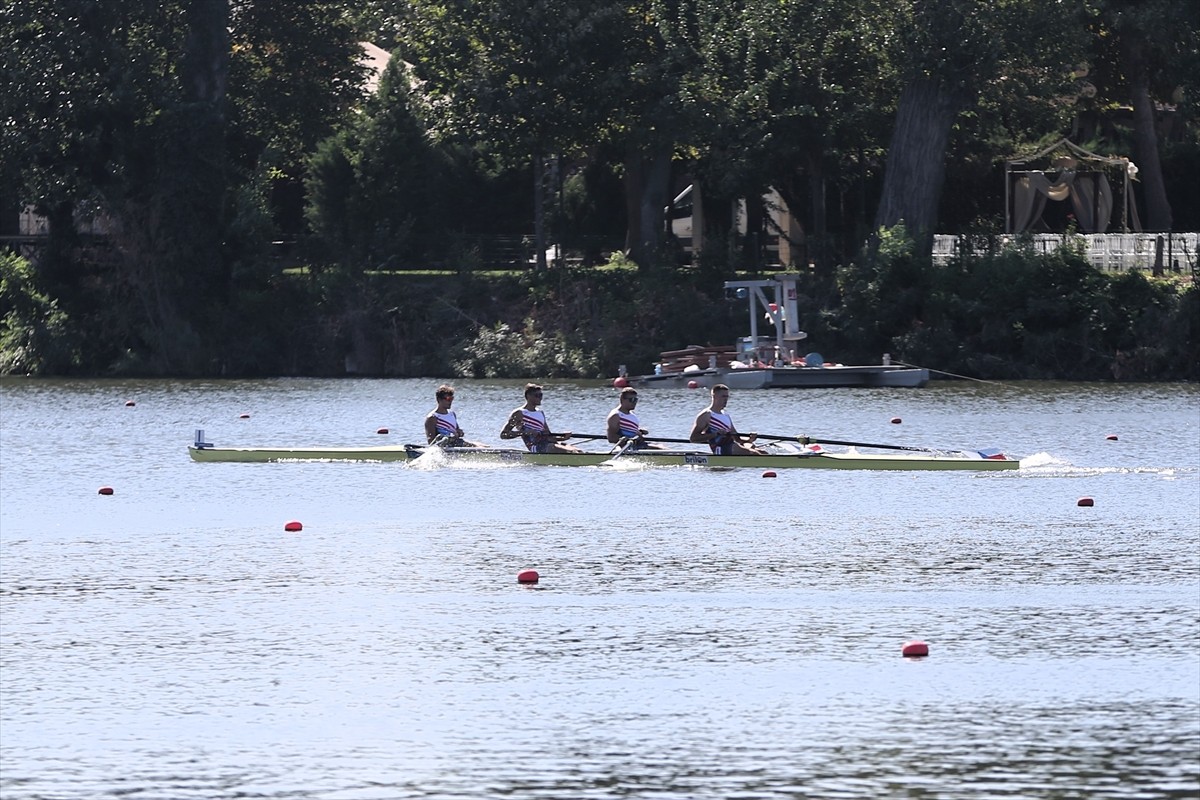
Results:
[762, 362]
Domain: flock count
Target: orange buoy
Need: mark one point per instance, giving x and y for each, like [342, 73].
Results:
[769, 473]
[527, 576]
[1112, 437]
[896, 420]
[293, 526]
[383, 431]
[1086, 501]
[620, 382]
[129, 403]
[915, 648]
[244, 416]
[106, 490]
[693, 385]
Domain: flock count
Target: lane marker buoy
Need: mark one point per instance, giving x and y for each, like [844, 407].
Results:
[106, 490]
[1112, 437]
[1086, 501]
[383, 431]
[769, 474]
[129, 403]
[693, 385]
[244, 416]
[896, 420]
[620, 383]
[293, 526]
[915, 648]
[527, 576]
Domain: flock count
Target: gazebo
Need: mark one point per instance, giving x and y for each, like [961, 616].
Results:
[1064, 171]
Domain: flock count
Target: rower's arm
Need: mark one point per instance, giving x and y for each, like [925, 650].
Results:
[614, 428]
[700, 429]
[512, 428]
[430, 429]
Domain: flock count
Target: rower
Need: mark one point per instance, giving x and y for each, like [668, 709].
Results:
[529, 424]
[623, 425]
[715, 428]
[441, 424]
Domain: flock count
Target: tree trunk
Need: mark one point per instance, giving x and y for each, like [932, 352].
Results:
[539, 211]
[916, 162]
[647, 184]
[1145, 136]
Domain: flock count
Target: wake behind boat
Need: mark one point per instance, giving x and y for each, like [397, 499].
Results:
[801, 459]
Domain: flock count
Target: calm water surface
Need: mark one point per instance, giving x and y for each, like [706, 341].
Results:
[695, 634]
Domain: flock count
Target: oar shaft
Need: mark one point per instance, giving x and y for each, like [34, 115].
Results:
[810, 439]
[814, 440]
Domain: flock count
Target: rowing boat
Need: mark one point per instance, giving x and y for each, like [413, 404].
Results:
[807, 459]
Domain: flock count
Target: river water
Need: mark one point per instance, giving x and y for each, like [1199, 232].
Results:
[694, 634]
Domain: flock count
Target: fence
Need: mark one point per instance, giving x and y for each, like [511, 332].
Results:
[1110, 252]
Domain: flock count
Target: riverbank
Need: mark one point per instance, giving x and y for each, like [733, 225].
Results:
[1012, 315]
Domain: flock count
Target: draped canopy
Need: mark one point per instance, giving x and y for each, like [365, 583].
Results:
[1064, 171]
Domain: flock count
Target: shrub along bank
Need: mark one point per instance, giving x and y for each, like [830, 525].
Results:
[1011, 315]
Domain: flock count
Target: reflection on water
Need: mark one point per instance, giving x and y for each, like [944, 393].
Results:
[694, 634]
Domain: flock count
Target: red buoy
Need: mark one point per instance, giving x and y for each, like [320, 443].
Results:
[527, 576]
[1112, 437]
[620, 382]
[693, 385]
[769, 473]
[293, 526]
[915, 648]
[106, 490]
[382, 431]
[1086, 501]
[896, 420]
[244, 416]
[130, 403]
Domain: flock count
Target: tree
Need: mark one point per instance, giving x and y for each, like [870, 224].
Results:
[1152, 48]
[948, 53]
[517, 74]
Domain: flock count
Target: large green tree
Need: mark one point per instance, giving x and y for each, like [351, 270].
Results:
[948, 53]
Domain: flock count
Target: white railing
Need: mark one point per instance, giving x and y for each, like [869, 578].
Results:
[1110, 252]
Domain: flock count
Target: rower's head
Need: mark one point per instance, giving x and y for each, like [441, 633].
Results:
[444, 394]
[629, 398]
[720, 396]
[533, 393]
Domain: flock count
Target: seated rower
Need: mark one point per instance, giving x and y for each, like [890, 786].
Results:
[623, 424]
[715, 428]
[529, 424]
[441, 424]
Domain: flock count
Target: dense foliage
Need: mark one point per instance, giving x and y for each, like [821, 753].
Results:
[225, 193]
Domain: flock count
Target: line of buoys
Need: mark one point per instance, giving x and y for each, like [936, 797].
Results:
[293, 527]
[1112, 437]
[527, 576]
[896, 420]
[915, 648]
[105, 490]
[1085, 501]
[383, 431]
[769, 473]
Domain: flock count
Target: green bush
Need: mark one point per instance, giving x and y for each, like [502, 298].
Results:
[36, 337]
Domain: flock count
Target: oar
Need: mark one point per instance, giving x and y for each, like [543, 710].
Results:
[814, 440]
[670, 441]
[581, 435]
[625, 444]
